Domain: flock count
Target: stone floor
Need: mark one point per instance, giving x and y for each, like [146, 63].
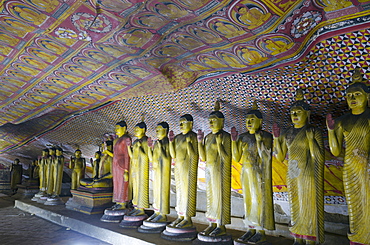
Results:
[22, 227]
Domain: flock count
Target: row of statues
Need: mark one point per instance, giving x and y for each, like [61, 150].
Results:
[125, 164]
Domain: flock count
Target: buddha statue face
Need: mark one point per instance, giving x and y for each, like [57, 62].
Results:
[97, 155]
[185, 126]
[161, 132]
[45, 153]
[299, 116]
[51, 152]
[120, 130]
[357, 99]
[78, 154]
[253, 123]
[139, 132]
[58, 152]
[215, 124]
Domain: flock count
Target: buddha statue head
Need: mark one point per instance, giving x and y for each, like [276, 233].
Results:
[121, 128]
[216, 119]
[52, 151]
[98, 154]
[45, 152]
[300, 111]
[59, 151]
[162, 130]
[253, 121]
[140, 129]
[78, 153]
[186, 123]
[357, 94]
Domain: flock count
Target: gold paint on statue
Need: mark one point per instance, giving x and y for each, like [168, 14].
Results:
[354, 129]
[184, 149]
[305, 178]
[254, 150]
[56, 174]
[78, 164]
[161, 160]
[215, 150]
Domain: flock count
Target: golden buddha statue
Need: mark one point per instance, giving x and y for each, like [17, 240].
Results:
[215, 150]
[184, 149]
[96, 165]
[42, 163]
[254, 150]
[16, 171]
[139, 173]
[161, 160]
[354, 129]
[78, 164]
[305, 178]
[56, 174]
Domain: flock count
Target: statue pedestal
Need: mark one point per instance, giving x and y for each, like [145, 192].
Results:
[90, 201]
[179, 234]
[152, 227]
[28, 189]
[238, 242]
[54, 201]
[132, 222]
[217, 240]
[4, 180]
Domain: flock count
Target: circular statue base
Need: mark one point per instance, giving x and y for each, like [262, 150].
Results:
[54, 201]
[112, 215]
[239, 242]
[146, 227]
[132, 222]
[42, 199]
[213, 240]
[179, 234]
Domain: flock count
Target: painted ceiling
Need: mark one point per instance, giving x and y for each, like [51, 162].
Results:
[59, 59]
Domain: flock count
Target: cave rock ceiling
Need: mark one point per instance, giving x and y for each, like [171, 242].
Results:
[68, 56]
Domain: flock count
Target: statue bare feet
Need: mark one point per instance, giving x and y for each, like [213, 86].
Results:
[176, 221]
[152, 217]
[219, 231]
[258, 237]
[160, 218]
[184, 224]
[245, 237]
[208, 230]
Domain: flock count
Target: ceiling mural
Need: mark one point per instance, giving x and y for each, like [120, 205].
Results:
[74, 55]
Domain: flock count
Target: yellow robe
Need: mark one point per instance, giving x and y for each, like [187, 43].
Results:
[218, 179]
[356, 173]
[186, 170]
[305, 180]
[256, 181]
[162, 176]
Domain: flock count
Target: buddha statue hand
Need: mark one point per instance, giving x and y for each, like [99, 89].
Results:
[200, 135]
[275, 130]
[234, 134]
[125, 176]
[171, 136]
[330, 121]
[309, 134]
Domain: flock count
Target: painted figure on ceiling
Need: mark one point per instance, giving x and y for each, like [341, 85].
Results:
[195, 66]
[8, 40]
[205, 35]
[28, 14]
[45, 5]
[251, 56]
[5, 50]
[90, 64]
[26, 69]
[304, 146]
[170, 10]
[192, 4]
[254, 150]
[34, 62]
[22, 27]
[252, 16]
[136, 38]
[231, 60]
[19, 75]
[227, 29]
[276, 46]
[52, 46]
[187, 41]
[331, 5]
[99, 56]
[152, 21]
[77, 70]
[42, 55]
[354, 129]
[212, 62]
